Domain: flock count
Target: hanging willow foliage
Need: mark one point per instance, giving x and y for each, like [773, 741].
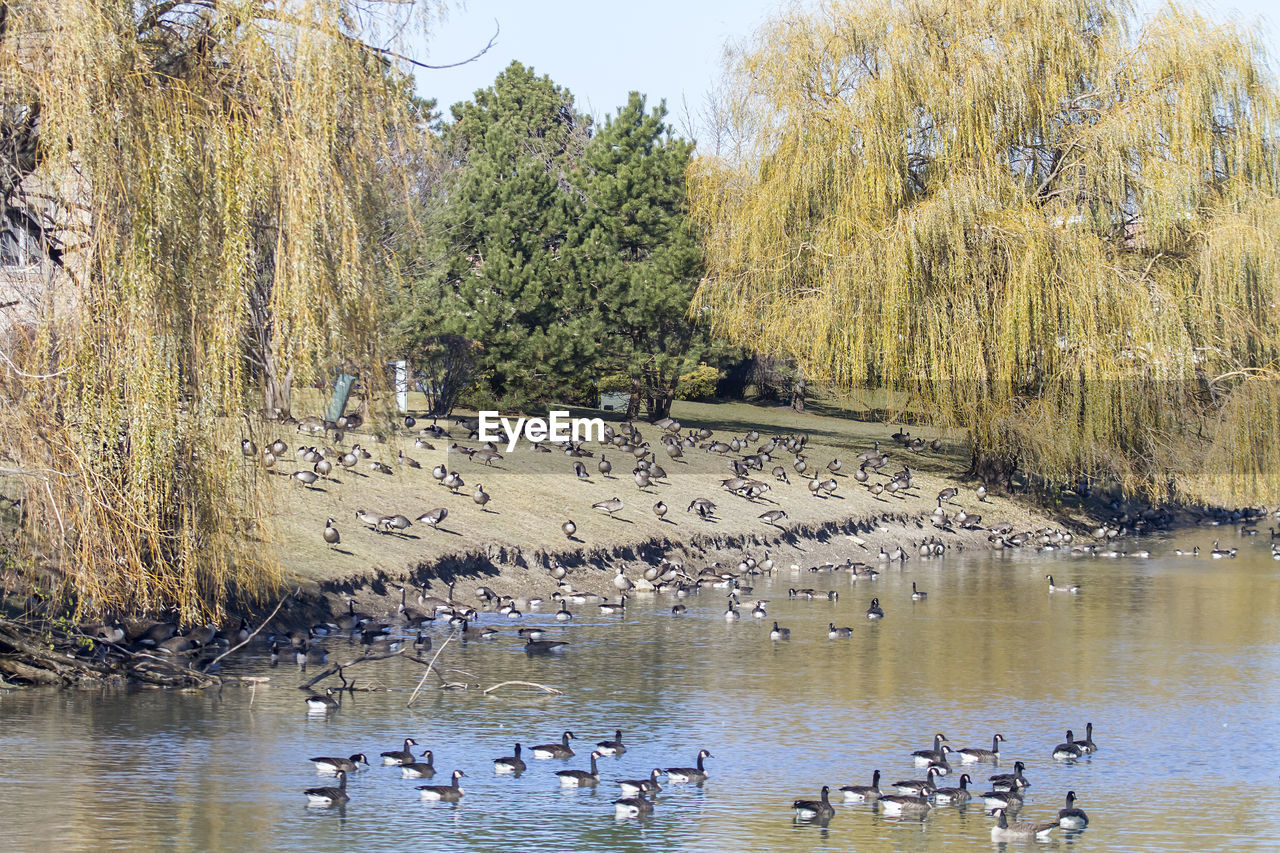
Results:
[1050, 225]
[218, 178]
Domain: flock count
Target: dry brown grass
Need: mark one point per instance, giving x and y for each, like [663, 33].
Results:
[533, 493]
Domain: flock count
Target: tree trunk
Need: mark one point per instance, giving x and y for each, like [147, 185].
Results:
[797, 396]
[994, 470]
[277, 393]
[633, 404]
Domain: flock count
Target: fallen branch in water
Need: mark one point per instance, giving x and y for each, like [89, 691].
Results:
[431, 668]
[336, 669]
[544, 688]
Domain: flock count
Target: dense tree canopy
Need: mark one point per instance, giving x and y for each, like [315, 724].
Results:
[1049, 224]
[567, 254]
[214, 183]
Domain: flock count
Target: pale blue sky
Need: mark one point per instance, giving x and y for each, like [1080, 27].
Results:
[603, 49]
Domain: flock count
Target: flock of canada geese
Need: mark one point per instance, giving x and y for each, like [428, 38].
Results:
[916, 797]
[636, 794]
[748, 457]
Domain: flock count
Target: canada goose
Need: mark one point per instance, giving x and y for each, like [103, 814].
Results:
[581, 778]
[397, 757]
[612, 747]
[610, 506]
[1072, 817]
[819, 809]
[758, 612]
[569, 529]
[433, 518]
[450, 793]
[971, 755]
[1002, 800]
[901, 804]
[1073, 588]
[981, 492]
[863, 793]
[631, 787]
[1067, 750]
[874, 611]
[331, 766]
[1011, 781]
[696, 775]
[481, 497]
[439, 472]
[1022, 830]
[917, 788]
[917, 595]
[1087, 745]
[943, 766]
[948, 493]
[703, 507]
[633, 806]
[421, 643]
[306, 478]
[1218, 553]
[731, 615]
[535, 646]
[511, 764]
[773, 516]
[423, 769]
[604, 466]
[318, 704]
[329, 796]
[555, 750]
[620, 581]
[955, 795]
[331, 535]
[470, 632]
[454, 481]
[563, 614]
[678, 609]
[835, 633]
[405, 460]
[779, 633]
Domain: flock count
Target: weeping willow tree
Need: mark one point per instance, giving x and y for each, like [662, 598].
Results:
[209, 184]
[1046, 221]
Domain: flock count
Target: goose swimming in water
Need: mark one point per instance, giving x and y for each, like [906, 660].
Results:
[450, 793]
[612, 747]
[925, 757]
[1071, 588]
[819, 809]
[400, 756]
[513, 764]
[1072, 817]
[1022, 830]
[329, 796]
[1067, 750]
[874, 611]
[555, 750]
[633, 806]
[1087, 745]
[423, 769]
[331, 766]
[697, 775]
[971, 755]
[581, 778]
[954, 795]
[631, 787]
[863, 793]
[835, 633]
[1011, 781]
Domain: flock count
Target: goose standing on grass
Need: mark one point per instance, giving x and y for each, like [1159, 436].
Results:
[631, 787]
[1087, 746]
[329, 796]
[1072, 817]
[331, 535]
[423, 769]
[973, 755]
[874, 611]
[581, 778]
[555, 750]
[396, 757]
[433, 518]
[450, 793]
[569, 529]
[696, 775]
[863, 793]
[1068, 750]
[820, 809]
[331, 766]
[612, 747]
[633, 806]
[1021, 830]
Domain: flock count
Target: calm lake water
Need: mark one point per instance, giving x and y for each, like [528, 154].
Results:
[1176, 661]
